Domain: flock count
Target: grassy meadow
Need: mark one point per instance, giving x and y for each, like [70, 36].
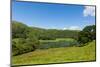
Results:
[57, 55]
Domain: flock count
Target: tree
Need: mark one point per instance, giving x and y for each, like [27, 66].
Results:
[87, 34]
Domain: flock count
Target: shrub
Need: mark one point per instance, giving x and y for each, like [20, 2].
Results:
[20, 46]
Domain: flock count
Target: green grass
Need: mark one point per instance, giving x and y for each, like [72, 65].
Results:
[57, 55]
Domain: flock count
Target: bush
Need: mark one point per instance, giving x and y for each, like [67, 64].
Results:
[20, 46]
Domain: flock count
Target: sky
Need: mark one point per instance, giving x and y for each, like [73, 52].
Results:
[53, 16]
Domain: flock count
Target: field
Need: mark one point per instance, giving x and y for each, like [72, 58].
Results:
[57, 55]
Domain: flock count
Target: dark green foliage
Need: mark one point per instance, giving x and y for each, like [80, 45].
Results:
[52, 34]
[20, 46]
[87, 34]
[91, 30]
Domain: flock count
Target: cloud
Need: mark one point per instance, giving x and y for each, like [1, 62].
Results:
[89, 11]
[72, 28]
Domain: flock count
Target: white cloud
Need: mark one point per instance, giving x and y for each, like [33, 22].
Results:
[65, 28]
[72, 28]
[89, 11]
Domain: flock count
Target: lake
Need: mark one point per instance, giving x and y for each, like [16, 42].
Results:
[56, 44]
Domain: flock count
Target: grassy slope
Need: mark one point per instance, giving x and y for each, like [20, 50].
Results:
[56, 55]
